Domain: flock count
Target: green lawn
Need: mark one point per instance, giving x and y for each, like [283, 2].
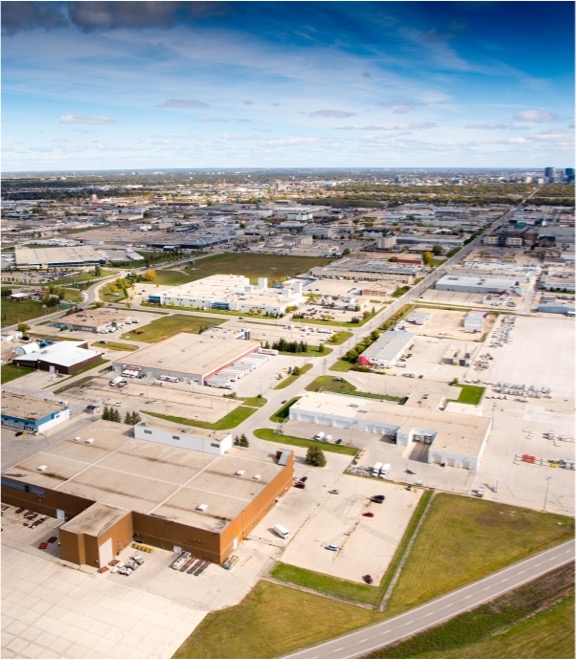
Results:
[271, 621]
[467, 539]
[170, 325]
[13, 371]
[272, 436]
[17, 312]
[312, 352]
[340, 324]
[273, 266]
[342, 366]
[470, 394]
[329, 384]
[340, 337]
[171, 277]
[400, 291]
[281, 415]
[291, 379]
[114, 345]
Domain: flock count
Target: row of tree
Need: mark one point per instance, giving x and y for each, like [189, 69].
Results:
[112, 414]
[241, 441]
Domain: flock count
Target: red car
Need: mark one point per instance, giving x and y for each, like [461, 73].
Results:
[43, 545]
[299, 484]
[369, 514]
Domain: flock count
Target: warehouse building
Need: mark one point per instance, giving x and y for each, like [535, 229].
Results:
[42, 258]
[93, 320]
[175, 435]
[455, 439]
[63, 357]
[111, 489]
[479, 284]
[231, 292]
[24, 413]
[187, 357]
[387, 349]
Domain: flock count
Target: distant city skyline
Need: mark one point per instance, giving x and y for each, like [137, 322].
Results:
[154, 85]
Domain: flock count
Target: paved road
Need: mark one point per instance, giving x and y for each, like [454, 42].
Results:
[365, 641]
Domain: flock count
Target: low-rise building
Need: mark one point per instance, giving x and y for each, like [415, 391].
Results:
[93, 320]
[63, 357]
[479, 284]
[24, 413]
[387, 349]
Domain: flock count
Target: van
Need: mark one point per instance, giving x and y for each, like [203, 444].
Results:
[115, 381]
[319, 436]
[281, 531]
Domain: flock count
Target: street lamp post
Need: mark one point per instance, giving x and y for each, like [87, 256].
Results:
[546, 495]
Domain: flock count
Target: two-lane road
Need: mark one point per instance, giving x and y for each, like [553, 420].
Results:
[442, 609]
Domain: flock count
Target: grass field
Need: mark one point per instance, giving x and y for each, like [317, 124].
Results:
[329, 384]
[272, 436]
[14, 312]
[13, 371]
[114, 345]
[534, 621]
[170, 325]
[282, 414]
[291, 379]
[270, 621]
[312, 352]
[339, 337]
[272, 266]
[342, 366]
[470, 394]
[467, 539]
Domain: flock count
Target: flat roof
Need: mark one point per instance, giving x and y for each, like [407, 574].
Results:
[25, 407]
[191, 354]
[95, 317]
[456, 432]
[60, 255]
[119, 471]
[62, 354]
[389, 345]
[480, 280]
[95, 520]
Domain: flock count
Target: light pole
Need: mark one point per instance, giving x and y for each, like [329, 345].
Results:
[546, 495]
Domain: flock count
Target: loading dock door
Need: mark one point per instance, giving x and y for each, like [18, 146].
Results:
[105, 552]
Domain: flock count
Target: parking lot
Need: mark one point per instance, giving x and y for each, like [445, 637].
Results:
[446, 323]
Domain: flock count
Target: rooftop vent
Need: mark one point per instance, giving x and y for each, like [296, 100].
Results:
[42, 468]
[240, 473]
[89, 441]
[257, 476]
[78, 438]
[201, 507]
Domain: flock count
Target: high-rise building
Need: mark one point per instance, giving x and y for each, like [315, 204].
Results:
[570, 174]
[549, 172]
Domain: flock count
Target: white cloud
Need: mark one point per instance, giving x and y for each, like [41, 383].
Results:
[183, 103]
[338, 114]
[536, 116]
[490, 126]
[84, 119]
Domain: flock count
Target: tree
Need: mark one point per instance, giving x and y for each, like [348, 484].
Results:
[106, 414]
[150, 275]
[244, 442]
[23, 327]
[315, 456]
[438, 250]
[427, 258]
[128, 418]
[135, 417]
[296, 371]
[98, 271]
[236, 441]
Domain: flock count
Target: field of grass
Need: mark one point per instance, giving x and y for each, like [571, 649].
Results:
[114, 345]
[272, 436]
[342, 366]
[273, 266]
[14, 312]
[400, 291]
[340, 324]
[229, 421]
[534, 621]
[271, 621]
[281, 415]
[467, 539]
[13, 371]
[171, 277]
[328, 384]
[340, 337]
[312, 352]
[470, 394]
[170, 325]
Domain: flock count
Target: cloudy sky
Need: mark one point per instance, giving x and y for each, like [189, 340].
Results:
[97, 85]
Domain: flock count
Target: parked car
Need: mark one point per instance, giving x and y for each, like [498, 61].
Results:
[368, 579]
[138, 559]
[376, 500]
[334, 491]
[19, 433]
[369, 514]
[303, 479]
[300, 484]
[52, 539]
[333, 548]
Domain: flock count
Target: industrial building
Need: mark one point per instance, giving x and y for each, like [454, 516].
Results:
[231, 292]
[479, 284]
[387, 349]
[24, 413]
[455, 439]
[188, 357]
[93, 320]
[42, 258]
[192, 438]
[111, 489]
[63, 357]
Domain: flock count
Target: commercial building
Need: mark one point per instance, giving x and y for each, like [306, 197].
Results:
[24, 413]
[231, 292]
[63, 357]
[110, 489]
[82, 255]
[479, 284]
[387, 349]
[175, 435]
[187, 357]
[455, 439]
[93, 320]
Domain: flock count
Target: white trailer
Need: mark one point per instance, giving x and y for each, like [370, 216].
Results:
[281, 531]
[385, 469]
[377, 469]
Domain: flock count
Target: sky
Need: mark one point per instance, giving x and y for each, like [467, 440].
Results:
[158, 85]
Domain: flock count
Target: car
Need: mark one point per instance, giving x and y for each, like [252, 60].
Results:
[142, 376]
[334, 491]
[368, 579]
[408, 487]
[299, 484]
[285, 401]
[20, 510]
[138, 559]
[303, 479]
[379, 497]
[376, 500]
[52, 539]
[333, 548]
[369, 514]
[43, 545]
[338, 442]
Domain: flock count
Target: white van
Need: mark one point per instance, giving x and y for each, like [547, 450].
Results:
[319, 436]
[281, 531]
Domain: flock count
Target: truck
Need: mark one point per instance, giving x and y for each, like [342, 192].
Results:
[377, 469]
[385, 469]
[115, 381]
[281, 531]
[319, 436]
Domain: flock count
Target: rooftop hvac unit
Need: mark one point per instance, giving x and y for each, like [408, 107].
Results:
[89, 441]
[240, 473]
[42, 468]
[257, 476]
[78, 438]
[201, 507]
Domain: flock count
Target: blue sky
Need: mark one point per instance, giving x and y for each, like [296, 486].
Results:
[99, 85]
